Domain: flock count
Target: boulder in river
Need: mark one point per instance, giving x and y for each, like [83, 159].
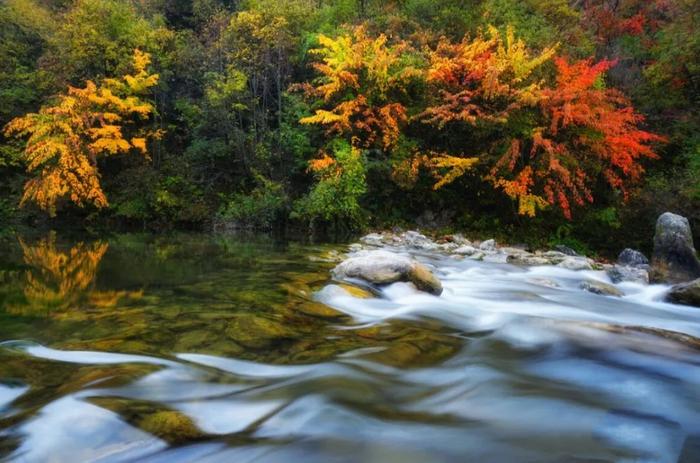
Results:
[565, 250]
[674, 259]
[620, 273]
[576, 263]
[383, 267]
[488, 245]
[685, 293]
[603, 289]
[632, 258]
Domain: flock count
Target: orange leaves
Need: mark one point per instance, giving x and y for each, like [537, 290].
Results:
[541, 143]
[483, 79]
[65, 140]
[362, 79]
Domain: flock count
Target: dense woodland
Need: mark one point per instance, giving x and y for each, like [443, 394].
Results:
[545, 121]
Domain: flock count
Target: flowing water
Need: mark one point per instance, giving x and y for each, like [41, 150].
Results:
[198, 348]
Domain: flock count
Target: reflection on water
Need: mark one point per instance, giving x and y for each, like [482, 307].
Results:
[193, 348]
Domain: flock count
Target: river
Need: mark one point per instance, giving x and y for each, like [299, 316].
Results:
[206, 348]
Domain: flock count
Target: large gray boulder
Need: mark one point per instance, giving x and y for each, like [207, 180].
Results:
[685, 293]
[383, 267]
[674, 259]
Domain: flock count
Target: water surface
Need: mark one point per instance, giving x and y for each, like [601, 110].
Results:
[200, 348]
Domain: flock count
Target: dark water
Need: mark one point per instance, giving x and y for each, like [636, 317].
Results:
[198, 348]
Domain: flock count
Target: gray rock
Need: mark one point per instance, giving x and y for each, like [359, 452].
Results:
[565, 250]
[598, 287]
[530, 260]
[488, 245]
[373, 239]
[465, 250]
[554, 256]
[383, 267]
[478, 255]
[417, 240]
[620, 273]
[685, 293]
[632, 258]
[576, 263]
[674, 259]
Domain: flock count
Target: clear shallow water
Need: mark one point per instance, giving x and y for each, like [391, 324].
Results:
[193, 348]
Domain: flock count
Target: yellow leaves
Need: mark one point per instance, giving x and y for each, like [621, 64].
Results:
[139, 144]
[519, 189]
[64, 140]
[447, 169]
[361, 78]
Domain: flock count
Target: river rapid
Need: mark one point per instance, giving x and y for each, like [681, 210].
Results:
[209, 349]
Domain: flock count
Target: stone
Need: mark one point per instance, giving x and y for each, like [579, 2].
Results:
[674, 259]
[383, 267]
[685, 293]
[465, 250]
[373, 239]
[632, 258]
[416, 240]
[575, 263]
[488, 245]
[528, 260]
[598, 287]
[620, 273]
[565, 250]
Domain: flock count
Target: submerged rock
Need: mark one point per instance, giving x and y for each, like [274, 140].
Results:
[620, 273]
[598, 287]
[383, 267]
[674, 259]
[685, 293]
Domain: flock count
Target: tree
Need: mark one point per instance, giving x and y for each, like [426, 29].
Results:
[65, 140]
[588, 132]
[364, 84]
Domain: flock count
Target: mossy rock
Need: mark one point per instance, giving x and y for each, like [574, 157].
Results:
[257, 332]
[171, 426]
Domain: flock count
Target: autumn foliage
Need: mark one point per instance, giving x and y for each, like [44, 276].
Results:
[362, 82]
[541, 141]
[65, 140]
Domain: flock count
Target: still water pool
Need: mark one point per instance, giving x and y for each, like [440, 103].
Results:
[210, 349]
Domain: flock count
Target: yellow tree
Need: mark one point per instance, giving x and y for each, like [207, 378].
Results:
[363, 82]
[65, 140]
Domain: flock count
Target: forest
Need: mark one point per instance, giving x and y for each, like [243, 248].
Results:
[571, 122]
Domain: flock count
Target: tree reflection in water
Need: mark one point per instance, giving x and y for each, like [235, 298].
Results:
[62, 278]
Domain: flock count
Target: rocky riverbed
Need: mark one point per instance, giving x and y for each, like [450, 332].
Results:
[388, 257]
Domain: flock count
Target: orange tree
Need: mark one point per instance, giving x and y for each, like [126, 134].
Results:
[541, 144]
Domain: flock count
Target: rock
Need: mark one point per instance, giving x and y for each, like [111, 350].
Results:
[598, 287]
[554, 256]
[565, 250]
[383, 267]
[632, 258]
[575, 263]
[465, 250]
[478, 255]
[416, 240]
[620, 273]
[685, 293]
[172, 426]
[488, 245]
[460, 240]
[373, 239]
[674, 259]
[529, 260]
